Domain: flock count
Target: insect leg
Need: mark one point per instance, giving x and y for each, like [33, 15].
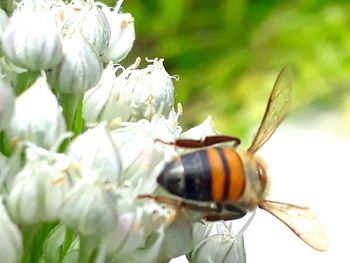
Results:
[213, 212]
[206, 141]
[227, 212]
[183, 204]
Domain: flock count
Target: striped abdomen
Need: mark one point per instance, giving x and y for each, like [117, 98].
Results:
[212, 174]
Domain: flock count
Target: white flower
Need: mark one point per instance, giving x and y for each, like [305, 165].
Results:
[109, 98]
[138, 230]
[90, 208]
[178, 238]
[11, 166]
[151, 91]
[39, 189]
[206, 128]
[122, 35]
[79, 70]
[97, 154]
[127, 233]
[11, 249]
[156, 217]
[223, 246]
[146, 253]
[38, 116]
[32, 40]
[141, 155]
[7, 104]
[93, 25]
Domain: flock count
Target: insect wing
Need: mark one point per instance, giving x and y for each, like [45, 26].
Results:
[276, 110]
[301, 220]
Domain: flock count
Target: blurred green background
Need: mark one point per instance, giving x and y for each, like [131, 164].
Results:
[229, 52]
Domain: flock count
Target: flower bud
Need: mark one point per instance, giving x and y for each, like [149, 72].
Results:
[97, 154]
[92, 24]
[7, 104]
[38, 116]
[151, 91]
[127, 233]
[146, 253]
[79, 70]
[108, 99]
[181, 231]
[122, 36]
[202, 230]
[11, 240]
[222, 246]
[39, 189]
[32, 40]
[89, 208]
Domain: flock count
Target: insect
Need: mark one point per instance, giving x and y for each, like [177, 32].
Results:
[226, 182]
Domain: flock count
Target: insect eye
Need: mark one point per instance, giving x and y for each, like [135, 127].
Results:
[262, 175]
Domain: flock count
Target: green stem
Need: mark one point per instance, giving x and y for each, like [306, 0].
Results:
[28, 238]
[78, 118]
[2, 142]
[87, 249]
[70, 104]
[25, 80]
[68, 240]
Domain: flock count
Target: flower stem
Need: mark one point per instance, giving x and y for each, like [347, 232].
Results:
[2, 143]
[70, 105]
[68, 240]
[87, 249]
[28, 238]
[25, 80]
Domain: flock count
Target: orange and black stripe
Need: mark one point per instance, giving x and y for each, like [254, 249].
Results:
[212, 174]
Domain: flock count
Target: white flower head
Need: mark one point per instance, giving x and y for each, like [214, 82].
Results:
[181, 231]
[156, 216]
[142, 156]
[32, 40]
[221, 245]
[127, 233]
[92, 24]
[122, 35]
[146, 253]
[38, 117]
[79, 70]
[138, 230]
[11, 248]
[39, 189]
[62, 11]
[108, 100]
[89, 208]
[7, 104]
[151, 91]
[97, 154]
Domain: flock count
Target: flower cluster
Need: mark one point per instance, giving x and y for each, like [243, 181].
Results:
[78, 143]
